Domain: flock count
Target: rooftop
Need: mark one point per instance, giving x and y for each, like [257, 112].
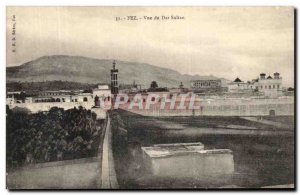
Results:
[237, 80]
[163, 150]
[175, 149]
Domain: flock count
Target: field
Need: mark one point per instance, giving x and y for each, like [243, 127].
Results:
[263, 154]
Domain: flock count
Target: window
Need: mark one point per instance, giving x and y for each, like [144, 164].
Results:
[277, 86]
[85, 99]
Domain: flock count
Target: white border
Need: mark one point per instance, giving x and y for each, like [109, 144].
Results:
[5, 3]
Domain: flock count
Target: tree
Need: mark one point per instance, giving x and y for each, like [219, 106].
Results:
[50, 136]
[153, 85]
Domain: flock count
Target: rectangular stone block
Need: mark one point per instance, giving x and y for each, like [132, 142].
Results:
[187, 160]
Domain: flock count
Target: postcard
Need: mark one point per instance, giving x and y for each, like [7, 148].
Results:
[150, 98]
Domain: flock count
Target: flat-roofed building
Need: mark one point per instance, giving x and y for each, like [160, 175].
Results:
[102, 96]
[187, 160]
[270, 86]
[206, 85]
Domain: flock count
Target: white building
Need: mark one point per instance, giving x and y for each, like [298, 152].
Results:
[237, 86]
[268, 86]
[206, 85]
[102, 96]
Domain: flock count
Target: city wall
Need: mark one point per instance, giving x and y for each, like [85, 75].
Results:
[206, 107]
[226, 107]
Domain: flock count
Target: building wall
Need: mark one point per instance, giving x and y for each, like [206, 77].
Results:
[235, 87]
[206, 84]
[102, 93]
[270, 87]
[46, 106]
[192, 165]
[105, 97]
[213, 85]
[62, 100]
[69, 174]
[224, 107]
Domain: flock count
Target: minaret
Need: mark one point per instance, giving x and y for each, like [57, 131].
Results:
[114, 79]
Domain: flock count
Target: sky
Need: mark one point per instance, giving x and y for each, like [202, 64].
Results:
[226, 42]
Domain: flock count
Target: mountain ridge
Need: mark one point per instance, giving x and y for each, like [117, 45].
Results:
[91, 70]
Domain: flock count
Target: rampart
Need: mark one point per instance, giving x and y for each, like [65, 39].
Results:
[225, 107]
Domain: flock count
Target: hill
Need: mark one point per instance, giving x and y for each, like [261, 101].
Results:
[89, 70]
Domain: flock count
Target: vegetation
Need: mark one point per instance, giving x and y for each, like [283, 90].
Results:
[154, 85]
[48, 86]
[51, 136]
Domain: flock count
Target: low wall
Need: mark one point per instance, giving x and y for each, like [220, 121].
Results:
[69, 174]
[226, 107]
[46, 106]
[197, 165]
[101, 114]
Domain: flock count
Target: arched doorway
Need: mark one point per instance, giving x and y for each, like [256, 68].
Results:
[272, 113]
[97, 101]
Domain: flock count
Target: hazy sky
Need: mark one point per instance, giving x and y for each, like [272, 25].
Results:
[222, 41]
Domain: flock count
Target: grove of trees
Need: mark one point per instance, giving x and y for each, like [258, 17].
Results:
[51, 136]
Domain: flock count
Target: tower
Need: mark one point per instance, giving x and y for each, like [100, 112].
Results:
[262, 76]
[276, 75]
[114, 79]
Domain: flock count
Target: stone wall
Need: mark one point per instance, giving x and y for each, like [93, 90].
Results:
[227, 107]
[197, 165]
[46, 106]
[70, 174]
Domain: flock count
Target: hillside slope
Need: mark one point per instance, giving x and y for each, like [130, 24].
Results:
[90, 70]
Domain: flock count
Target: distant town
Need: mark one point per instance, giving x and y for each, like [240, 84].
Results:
[265, 87]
